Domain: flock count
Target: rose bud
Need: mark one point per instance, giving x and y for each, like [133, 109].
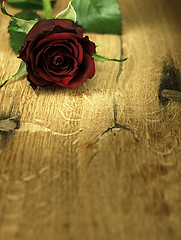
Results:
[55, 52]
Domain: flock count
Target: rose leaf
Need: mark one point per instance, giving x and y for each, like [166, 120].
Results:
[24, 25]
[28, 4]
[21, 72]
[100, 16]
[17, 36]
[68, 13]
[99, 58]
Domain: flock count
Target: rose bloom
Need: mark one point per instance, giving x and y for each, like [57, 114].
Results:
[55, 52]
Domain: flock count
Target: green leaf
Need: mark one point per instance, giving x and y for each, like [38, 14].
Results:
[16, 35]
[68, 13]
[100, 16]
[99, 58]
[28, 15]
[28, 4]
[16, 40]
[3, 10]
[24, 25]
[21, 72]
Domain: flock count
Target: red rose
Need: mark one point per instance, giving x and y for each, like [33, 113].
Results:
[55, 52]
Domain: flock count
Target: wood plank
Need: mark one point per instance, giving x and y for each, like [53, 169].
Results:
[101, 161]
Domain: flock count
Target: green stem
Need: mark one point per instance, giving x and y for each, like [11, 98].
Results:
[4, 83]
[47, 9]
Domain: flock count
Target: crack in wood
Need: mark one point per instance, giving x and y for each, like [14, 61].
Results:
[115, 110]
[120, 64]
[117, 79]
[116, 127]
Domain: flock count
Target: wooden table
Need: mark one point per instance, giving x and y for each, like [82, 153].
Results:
[101, 161]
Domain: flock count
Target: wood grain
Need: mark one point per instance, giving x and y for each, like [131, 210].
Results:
[101, 161]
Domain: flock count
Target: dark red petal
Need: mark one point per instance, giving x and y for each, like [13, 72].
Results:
[43, 74]
[22, 54]
[88, 46]
[47, 75]
[37, 58]
[47, 53]
[61, 46]
[68, 65]
[87, 70]
[61, 36]
[69, 25]
[39, 28]
[53, 47]
[56, 37]
[48, 25]
[52, 72]
[31, 45]
[36, 79]
[63, 75]
[59, 73]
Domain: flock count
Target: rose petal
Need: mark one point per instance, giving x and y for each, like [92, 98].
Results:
[36, 79]
[76, 46]
[88, 46]
[58, 36]
[48, 25]
[63, 75]
[87, 70]
[68, 25]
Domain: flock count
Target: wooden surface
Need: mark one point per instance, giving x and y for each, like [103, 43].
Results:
[101, 161]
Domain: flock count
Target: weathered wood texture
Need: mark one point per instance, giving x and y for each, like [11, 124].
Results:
[101, 161]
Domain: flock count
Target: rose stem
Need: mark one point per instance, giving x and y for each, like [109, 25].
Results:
[47, 9]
